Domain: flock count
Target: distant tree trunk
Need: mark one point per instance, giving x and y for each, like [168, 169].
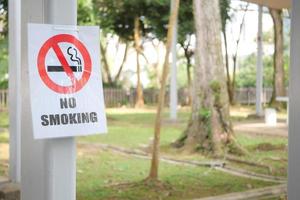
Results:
[156, 64]
[188, 56]
[209, 128]
[231, 80]
[278, 76]
[105, 65]
[123, 62]
[137, 41]
[228, 80]
[189, 77]
[153, 175]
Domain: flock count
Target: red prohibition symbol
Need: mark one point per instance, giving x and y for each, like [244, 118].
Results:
[52, 43]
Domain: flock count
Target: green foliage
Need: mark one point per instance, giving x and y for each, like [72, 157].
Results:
[4, 63]
[118, 16]
[205, 113]
[246, 76]
[215, 86]
[4, 84]
[85, 14]
[224, 11]
[4, 18]
[160, 15]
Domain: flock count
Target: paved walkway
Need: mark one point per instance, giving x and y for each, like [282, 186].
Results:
[258, 127]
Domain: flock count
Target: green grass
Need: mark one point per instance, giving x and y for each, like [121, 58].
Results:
[4, 137]
[99, 173]
[133, 130]
[247, 140]
[4, 120]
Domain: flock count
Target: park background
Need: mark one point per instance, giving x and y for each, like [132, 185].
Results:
[113, 166]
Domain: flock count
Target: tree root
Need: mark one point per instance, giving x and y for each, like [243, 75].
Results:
[246, 162]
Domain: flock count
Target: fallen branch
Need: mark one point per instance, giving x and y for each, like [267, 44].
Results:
[252, 175]
[246, 162]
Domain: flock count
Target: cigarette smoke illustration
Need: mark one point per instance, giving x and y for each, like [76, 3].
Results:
[72, 52]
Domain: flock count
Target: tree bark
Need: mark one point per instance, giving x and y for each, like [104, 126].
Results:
[105, 63]
[188, 55]
[209, 128]
[278, 76]
[123, 62]
[189, 77]
[228, 80]
[137, 42]
[153, 175]
[231, 88]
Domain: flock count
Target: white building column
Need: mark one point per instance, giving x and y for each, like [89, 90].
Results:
[48, 166]
[14, 12]
[259, 67]
[294, 107]
[173, 79]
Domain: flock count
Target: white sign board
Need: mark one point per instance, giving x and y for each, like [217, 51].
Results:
[65, 81]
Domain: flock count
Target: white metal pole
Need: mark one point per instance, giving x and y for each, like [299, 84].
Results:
[294, 107]
[32, 151]
[173, 80]
[61, 153]
[14, 89]
[259, 68]
[48, 166]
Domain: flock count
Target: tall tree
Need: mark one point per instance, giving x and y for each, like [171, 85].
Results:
[278, 77]
[126, 19]
[209, 128]
[231, 78]
[158, 18]
[225, 17]
[137, 44]
[153, 175]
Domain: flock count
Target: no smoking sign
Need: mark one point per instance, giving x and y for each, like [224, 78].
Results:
[65, 81]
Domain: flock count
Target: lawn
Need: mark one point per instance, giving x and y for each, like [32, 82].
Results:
[102, 174]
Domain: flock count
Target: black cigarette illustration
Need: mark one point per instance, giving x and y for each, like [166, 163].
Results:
[58, 68]
[72, 52]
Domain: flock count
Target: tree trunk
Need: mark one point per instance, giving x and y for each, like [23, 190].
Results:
[232, 85]
[278, 76]
[188, 55]
[105, 65]
[189, 66]
[123, 62]
[156, 64]
[228, 80]
[137, 42]
[209, 128]
[153, 175]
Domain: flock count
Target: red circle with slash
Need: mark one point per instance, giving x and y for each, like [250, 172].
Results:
[52, 43]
